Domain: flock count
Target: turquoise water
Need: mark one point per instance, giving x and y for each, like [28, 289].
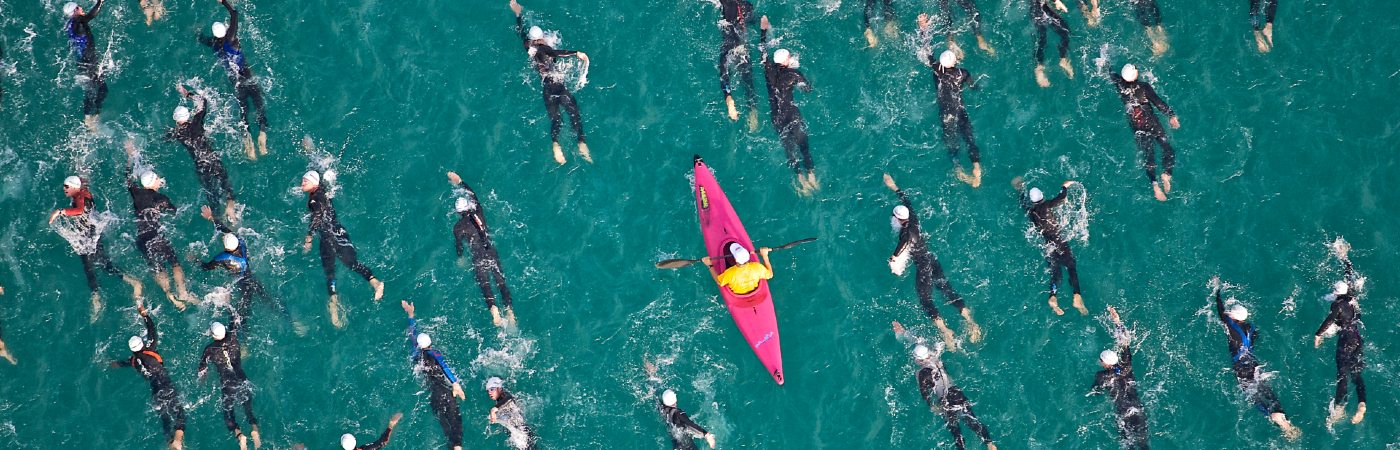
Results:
[1278, 154]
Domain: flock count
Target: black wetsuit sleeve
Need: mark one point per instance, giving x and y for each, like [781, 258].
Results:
[232, 35]
[91, 13]
[129, 362]
[971, 82]
[925, 379]
[1348, 273]
[1060, 198]
[1331, 318]
[800, 81]
[204, 359]
[557, 53]
[476, 214]
[221, 226]
[200, 110]
[458, 235]
[211, 264]
[152, 338]
[381, 442]
[1102, 380]
[520, 29]
[1157, 100]
[682, 420]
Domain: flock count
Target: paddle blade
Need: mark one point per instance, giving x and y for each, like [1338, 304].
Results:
[675, 263]
[794, 243]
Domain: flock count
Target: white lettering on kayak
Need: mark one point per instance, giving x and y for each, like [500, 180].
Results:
[766, 337]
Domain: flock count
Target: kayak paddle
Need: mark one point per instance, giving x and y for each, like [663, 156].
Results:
[679, 263]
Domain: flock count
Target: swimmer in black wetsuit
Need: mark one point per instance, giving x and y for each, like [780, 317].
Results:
[1117, 380]
[949, 81]
[737, 15]
[1151, 20]
[1139, 98]
[507, 412]
[213, 178]
[683, 430]
[235, 260]
[929, 273]
[556, 95]
[1043, 15]
[234, 388]
[1261, 17]
[335, 243]
[1344, 320]
[486, 262]
[246, 90]
[1057, 252]
[151, 365]
[886, 13]
[76, 189]
[89, 62]
[443, 384]
[941, 395]
[347, 440]
[1243, 337]
[945, 16]
[150, 241]
[783, 77]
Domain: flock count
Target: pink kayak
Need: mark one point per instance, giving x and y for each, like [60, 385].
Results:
[752, 312]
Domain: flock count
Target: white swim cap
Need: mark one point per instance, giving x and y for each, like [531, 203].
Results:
[230, 242]
[782, 56]
[70, 8]
[73, 182]
[536, 33]
[182, 114]
[948, 59]
[1340, 288]
[1130, 72]
[149, 180]
[463, 205]
[741, 254]
[1108, 357]
[921, 352]
[217, 330]
[1238, 313]
[424, 341]
[668, 398]
[1036, 195]
[312, 177]
[901, 212]
[135, 343]
[347, 441]
[494, 383]
[219, 29]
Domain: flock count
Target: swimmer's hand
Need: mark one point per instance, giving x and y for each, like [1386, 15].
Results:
[1067, 184]
[1174, 122]
[923, 21]
[454, 178]
[394, 421]
[306, 246]
[763, 23]
[515, 7]
[408, 308]
[206, 213]
[492, 416]
[710, 439]
[54, 216]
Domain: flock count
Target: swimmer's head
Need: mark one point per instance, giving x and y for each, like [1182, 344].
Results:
[424, 341]
[536, 33]
[310, 181]
[1036, 195]
[741, 254]
[1108, 358]
[1340, 288]
[948, 59]
[347, 441]
[219, 29]
[901, 212]
[181, 114]
[1130, 73]
[921, 352]
[668, 398]
[135, 343]
[782, 57]
[1239, 313]
[150, 180]
[463, 204]
[70, 9]
[218, 331]
[230, 242]
[72, 182]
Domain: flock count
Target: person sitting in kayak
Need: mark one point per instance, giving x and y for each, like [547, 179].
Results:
[742, 277]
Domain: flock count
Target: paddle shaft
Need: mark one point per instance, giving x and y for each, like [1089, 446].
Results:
[679, 263]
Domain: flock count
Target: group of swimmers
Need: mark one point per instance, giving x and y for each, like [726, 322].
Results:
[470, 231]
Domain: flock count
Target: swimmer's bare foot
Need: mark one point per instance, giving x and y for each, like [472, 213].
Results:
[1069, 68]
[729, 103]
[891, 29]
[262, 142]
[136, 287]
[1079, 305]
[559, 154]
[753, 120]
[1167, 183]
[986, 47]
[257, 439]
[1055, 305]
[583, 151]
[870, 38]
[5, 353]
[179, 442]
[496, 316]
[1360, 413]
[976, 175]
[248, 146]
[336, 311]
[1157, 192]
[962, 175]
[1040, 76]
[96, 307]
